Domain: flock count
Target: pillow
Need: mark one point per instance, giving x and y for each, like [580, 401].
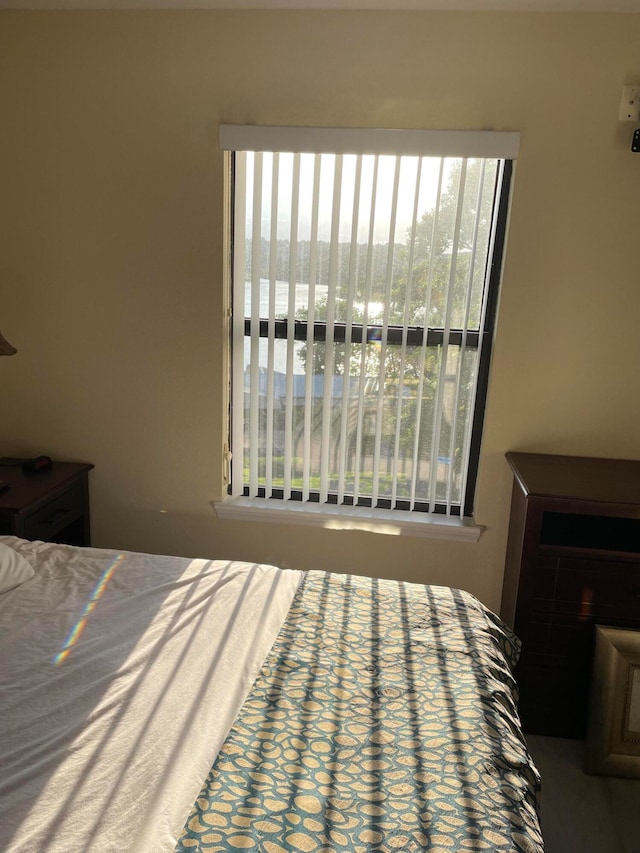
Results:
[14, 569]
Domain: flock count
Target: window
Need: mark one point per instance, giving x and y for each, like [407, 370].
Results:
[365, 269]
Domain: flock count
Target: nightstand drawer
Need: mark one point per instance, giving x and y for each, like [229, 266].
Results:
[55, 515]
[588, 589]
[558, 640]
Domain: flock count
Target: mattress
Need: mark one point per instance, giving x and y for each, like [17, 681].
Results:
[157, 703]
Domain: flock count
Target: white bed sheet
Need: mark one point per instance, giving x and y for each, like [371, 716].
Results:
[105, 739]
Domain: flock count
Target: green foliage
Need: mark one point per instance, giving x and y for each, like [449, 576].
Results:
[415, 279]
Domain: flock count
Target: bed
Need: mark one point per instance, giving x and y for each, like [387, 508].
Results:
[166, 704]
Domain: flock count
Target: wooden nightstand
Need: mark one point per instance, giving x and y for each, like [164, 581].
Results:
[573, 562]
[51, 505]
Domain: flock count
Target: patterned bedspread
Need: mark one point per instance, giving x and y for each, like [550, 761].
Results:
[383, 720]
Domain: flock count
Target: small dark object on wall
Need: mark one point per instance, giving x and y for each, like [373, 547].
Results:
[38, 463]
[635, 142]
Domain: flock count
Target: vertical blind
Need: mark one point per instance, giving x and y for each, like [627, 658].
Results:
[360, 299]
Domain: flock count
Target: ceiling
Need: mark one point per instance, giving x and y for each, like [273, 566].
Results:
[434, 5]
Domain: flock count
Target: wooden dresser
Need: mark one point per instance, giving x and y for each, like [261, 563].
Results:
[573, 561]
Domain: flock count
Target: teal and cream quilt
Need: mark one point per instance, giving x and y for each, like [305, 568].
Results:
[383, 719]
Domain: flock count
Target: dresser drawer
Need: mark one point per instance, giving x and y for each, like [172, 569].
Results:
[588, 589]
[558, 640]
[54, 516]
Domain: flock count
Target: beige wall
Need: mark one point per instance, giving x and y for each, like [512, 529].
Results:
[112, 254]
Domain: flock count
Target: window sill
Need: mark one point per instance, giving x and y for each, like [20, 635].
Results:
[389, 522]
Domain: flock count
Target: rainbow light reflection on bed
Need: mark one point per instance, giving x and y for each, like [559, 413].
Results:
[89, 607]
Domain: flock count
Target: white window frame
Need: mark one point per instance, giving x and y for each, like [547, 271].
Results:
[422, 143]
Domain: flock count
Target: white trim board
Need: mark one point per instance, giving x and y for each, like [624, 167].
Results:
[360, 140]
